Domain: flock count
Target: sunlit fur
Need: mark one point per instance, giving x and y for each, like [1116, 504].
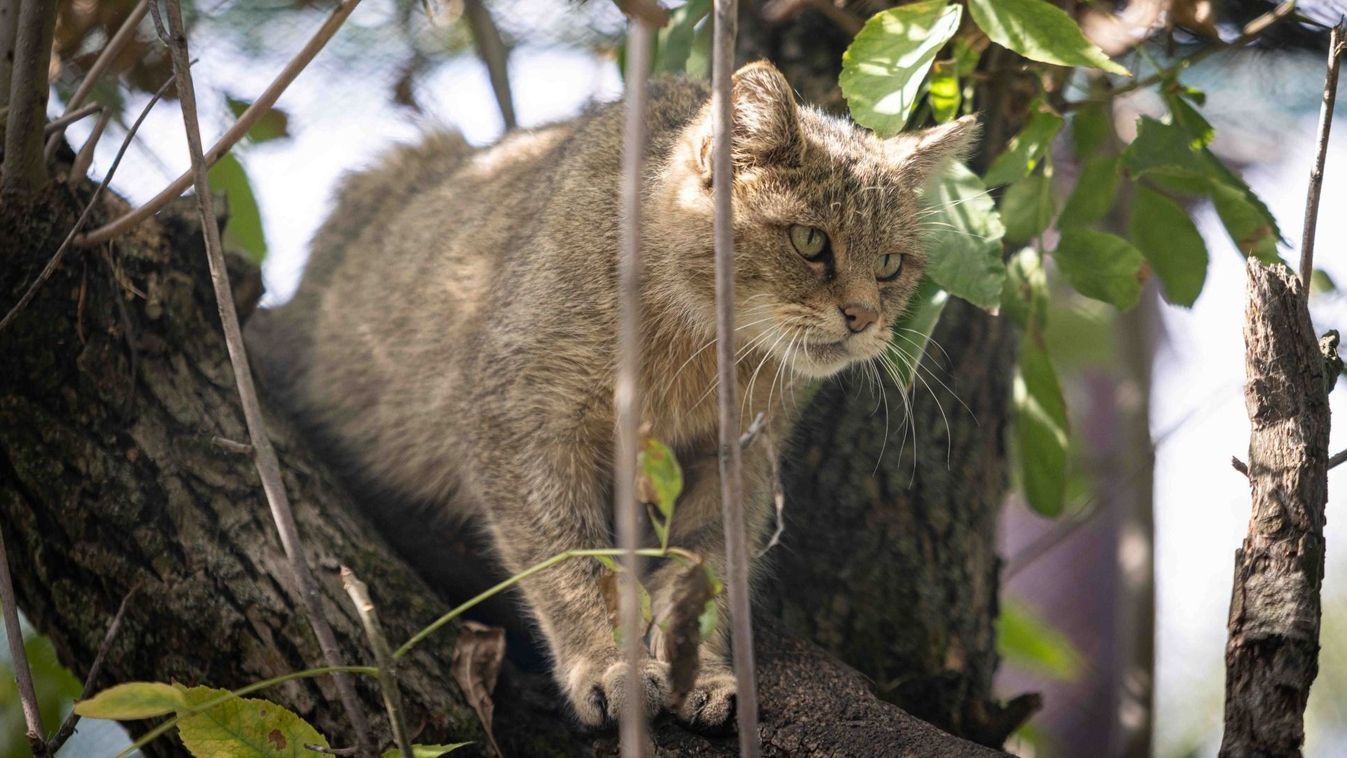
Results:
[454, 336]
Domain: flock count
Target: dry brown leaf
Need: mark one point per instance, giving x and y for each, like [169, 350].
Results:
[478, 654]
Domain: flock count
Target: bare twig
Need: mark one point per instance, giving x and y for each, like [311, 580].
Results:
[780, 11]
[778, 496]
[237, 448]
[495, 56]
[68, 726]
[259, 108]
[331, 750]
[754, 429]
[264, 457]
[27, 695]
[1252, 31]
[1238, 465]
[1336, 43]
[85, 157]
[9, 27]
[24, 168]
[388, 678]
[627, 398]
[731, 465]
[55, 261]
[70, 118]
[125, 33]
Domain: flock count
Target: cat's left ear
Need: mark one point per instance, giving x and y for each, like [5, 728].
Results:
[923, 155]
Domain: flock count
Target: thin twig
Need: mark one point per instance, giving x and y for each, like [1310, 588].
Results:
[125, 33]
[388, 677]
[260, 107]
[495, 56]
[1238, 465]
[68, 726]
[85, 157]
[24, 168]
[55, 261]
[1252, 31]
[331, 750]
[627, 397]
[754, 429]
[731, 465]
[264, 457]
[19, 657]
[70, 118]
[1336, 42]
[238, 448]
[1337, 459]
[778, 496]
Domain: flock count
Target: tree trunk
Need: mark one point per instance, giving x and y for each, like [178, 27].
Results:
[116, 382]
[1272, 656]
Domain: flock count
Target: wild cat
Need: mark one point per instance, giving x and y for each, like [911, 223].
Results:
[454, 336]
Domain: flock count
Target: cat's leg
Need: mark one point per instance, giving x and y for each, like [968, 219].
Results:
[699, 527]
[545, 499]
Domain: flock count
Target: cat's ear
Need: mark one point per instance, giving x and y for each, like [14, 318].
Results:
[923, 155]
[765, 119]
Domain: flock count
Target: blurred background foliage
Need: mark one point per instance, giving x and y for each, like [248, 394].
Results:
[1137, 382]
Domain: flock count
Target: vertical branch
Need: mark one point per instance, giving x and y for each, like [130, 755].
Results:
[388, 677]
[731, 468]
[24, 168]
[1336, 42]
[491, 49]
[9, 27]
[27, 695]
[628, 388]
[1272, 654]
[264, 455]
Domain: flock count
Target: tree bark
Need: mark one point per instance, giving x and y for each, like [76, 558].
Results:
[116, 383]
[1272, 654]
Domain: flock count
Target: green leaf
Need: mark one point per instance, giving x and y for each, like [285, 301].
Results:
[883, 68]
[676, 39]
[274, 124]
[659, 467]
[912, 330]
[132, 700]
[608, 562]
[1025, 300]
[1095, 192]
[1027, 640]
[945, 94]
[1039, 31]
[244, 728]
[1168, 238]
[1027, 208]
[1091, 128]
[1250, 223]
[1100, 265]
[425, 751]
[244, 230]
[963, 239]
[1190, 121]
[1040, 426]
[1164, 150]
[710, 616]
[1025, 149]
[699, 57]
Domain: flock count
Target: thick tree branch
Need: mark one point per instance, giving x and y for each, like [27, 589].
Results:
[1272, 654]
[25, 170]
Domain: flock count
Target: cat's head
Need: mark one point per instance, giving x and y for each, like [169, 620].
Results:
[827, 227]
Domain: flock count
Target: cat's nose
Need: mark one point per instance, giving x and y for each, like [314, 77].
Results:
[859, 317]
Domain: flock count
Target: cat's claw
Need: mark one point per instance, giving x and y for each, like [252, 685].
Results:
[597, 693]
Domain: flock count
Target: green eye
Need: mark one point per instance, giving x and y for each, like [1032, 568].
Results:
[888, 267]
[810, 242]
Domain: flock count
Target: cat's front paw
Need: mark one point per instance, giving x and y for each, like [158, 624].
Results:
[710, 704]
[597, 688]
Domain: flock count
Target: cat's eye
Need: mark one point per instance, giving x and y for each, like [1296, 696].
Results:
[888, 267]
[810, 242]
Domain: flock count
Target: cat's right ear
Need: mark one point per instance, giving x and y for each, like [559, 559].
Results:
[766, 120]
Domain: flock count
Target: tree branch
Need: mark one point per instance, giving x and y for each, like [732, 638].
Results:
[731, 466]
[24, 167]
[260, 107]
[388, 678]
[1337, 41]
[264, 455]
[22, 674]
[495, 56]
